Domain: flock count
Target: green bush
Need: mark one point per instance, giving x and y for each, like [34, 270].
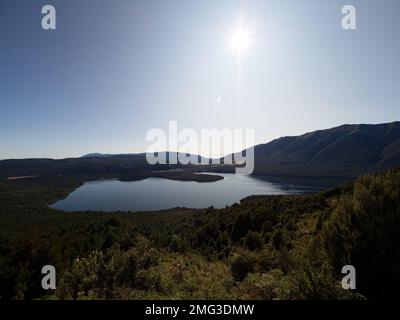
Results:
[254, 241]
[364, 231]
[241, 266]
[278, 239]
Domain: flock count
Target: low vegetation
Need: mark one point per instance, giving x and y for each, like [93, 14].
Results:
[272, 247]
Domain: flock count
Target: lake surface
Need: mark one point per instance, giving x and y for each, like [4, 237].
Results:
[158, 194]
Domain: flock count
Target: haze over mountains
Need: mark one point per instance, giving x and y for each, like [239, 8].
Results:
[344, 151]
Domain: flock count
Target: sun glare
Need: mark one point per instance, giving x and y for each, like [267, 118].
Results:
[240, 38]
[240, 41]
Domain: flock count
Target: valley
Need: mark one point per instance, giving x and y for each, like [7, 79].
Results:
[285, 245]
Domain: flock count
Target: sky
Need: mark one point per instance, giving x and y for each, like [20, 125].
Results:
[115, 69]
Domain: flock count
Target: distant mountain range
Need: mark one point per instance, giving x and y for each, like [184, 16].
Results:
[108, 155]
[346, 151]
[94, 164]
[167, 155]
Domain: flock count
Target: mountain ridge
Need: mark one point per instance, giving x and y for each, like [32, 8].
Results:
[346, 151]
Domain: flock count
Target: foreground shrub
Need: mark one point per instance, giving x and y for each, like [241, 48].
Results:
[241, 266]
[254, 241]
[364, 231]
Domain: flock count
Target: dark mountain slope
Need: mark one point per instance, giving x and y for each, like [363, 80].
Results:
[83, 166]
[345, 151]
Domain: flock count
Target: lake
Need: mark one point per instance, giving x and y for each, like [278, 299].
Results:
[159, 194]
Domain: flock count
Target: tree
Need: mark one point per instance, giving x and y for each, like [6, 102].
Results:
[241, 227]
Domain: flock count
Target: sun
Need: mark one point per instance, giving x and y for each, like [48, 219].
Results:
[240, 38]
[240, 41]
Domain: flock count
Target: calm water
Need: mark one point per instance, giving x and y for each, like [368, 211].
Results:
[158, 194]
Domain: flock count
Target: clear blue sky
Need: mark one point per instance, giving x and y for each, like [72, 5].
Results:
[115, 69]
